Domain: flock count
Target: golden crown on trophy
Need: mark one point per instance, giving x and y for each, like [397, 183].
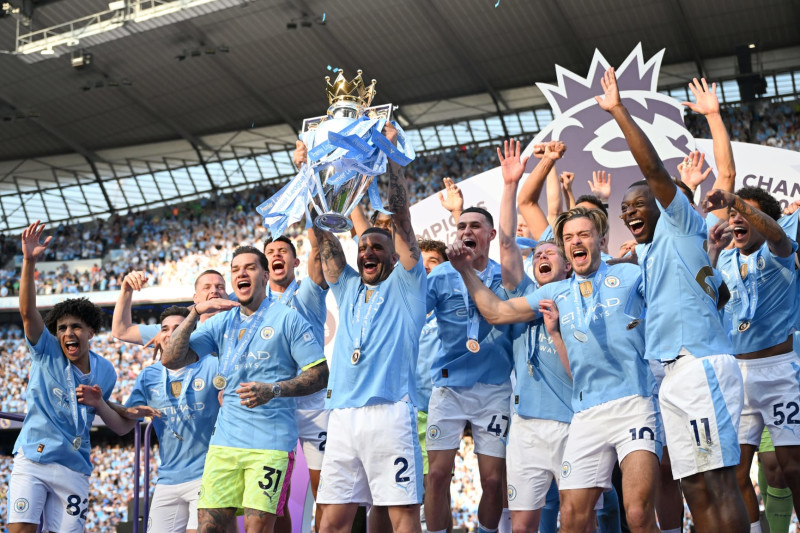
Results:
[353, 91]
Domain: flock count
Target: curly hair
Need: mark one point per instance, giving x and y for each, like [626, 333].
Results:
[766, 202]
[430, 245]
[80, 308]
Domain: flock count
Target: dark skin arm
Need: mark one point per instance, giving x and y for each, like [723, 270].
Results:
[307, 382]
[644, 153]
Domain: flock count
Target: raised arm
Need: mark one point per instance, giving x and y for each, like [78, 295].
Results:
[315, 263]
[331, 254]
[360, 221]
[405, 240]
[528, 200]
[122, 326]
[707, 104]
[567, 179]
[493, 309]
[454, 201]
[512, 166]
[32, 251]
[644, 153]
[779, 244]
[307, 382]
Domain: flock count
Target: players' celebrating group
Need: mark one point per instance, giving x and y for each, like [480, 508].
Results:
[663, 367]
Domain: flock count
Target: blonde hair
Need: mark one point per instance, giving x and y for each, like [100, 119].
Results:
[595, 216]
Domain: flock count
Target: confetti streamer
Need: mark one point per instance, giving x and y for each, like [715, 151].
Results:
[497, 4]
[323, 17]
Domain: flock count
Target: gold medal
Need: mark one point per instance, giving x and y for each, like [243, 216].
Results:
[743, 270]
[219, 382]
[473, 345]
[744, 326]
[356, 357]
[76, 443]
[530, 369]
[369, 294]
[175, 388]
[586, 288]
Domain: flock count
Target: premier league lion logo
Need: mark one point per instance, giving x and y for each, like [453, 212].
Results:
[595, 141]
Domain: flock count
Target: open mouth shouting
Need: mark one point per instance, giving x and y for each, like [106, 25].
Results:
[370, 267]
[73, 347]
[545, 267]
[740, 233]
[580, 256]
[244, 286]
[278, 268]
[470, 243]
[636, 225]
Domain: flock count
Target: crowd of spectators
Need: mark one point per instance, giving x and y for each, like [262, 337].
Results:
[770, 124]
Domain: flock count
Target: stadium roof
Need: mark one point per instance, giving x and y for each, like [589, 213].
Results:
[191, 84]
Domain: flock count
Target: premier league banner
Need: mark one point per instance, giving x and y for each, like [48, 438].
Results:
[595, 142]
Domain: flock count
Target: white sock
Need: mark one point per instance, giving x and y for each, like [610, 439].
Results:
[755, 527]
[484, 529]
[505, 522]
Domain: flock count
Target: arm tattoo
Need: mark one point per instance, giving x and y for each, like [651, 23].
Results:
[177, 353]
[330, 253]
[307, 382]
[398, 204]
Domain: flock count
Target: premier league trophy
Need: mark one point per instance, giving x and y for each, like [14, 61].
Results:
[346, 150]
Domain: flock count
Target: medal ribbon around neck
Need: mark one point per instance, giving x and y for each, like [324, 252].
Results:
[288, 294]
[168, 397]
[533, 345]
[78, 411]
[583, 320]
[365, 319]
[233, 349]
[748, 287]
[473, 322]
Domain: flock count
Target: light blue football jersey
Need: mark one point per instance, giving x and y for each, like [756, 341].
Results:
[148, 331]
[456, 366]
[681, 288]
[606, 357]
[191, 415]
[762, 309]
[49, 428]
[543, 389]
[429, 345]
[309, 301]
[386, 331]
[547, 234]
[281, 346]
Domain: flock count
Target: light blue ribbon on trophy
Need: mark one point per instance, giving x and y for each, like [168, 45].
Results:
[289, 204]
[181, 396]
[79, 412]
[474, 317]
[363, 321]
[359, 148]
[748, 288]
[635, 320]
[288, 294]
[234, 346]
[582, 320]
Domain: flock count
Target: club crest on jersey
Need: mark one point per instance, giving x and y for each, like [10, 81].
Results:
[307, 336]
[566, 469]
[198, 384]
[21, 505]
[267, 333]
[434, 432]
[761, 263]
[512, 493]
[612, 282]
